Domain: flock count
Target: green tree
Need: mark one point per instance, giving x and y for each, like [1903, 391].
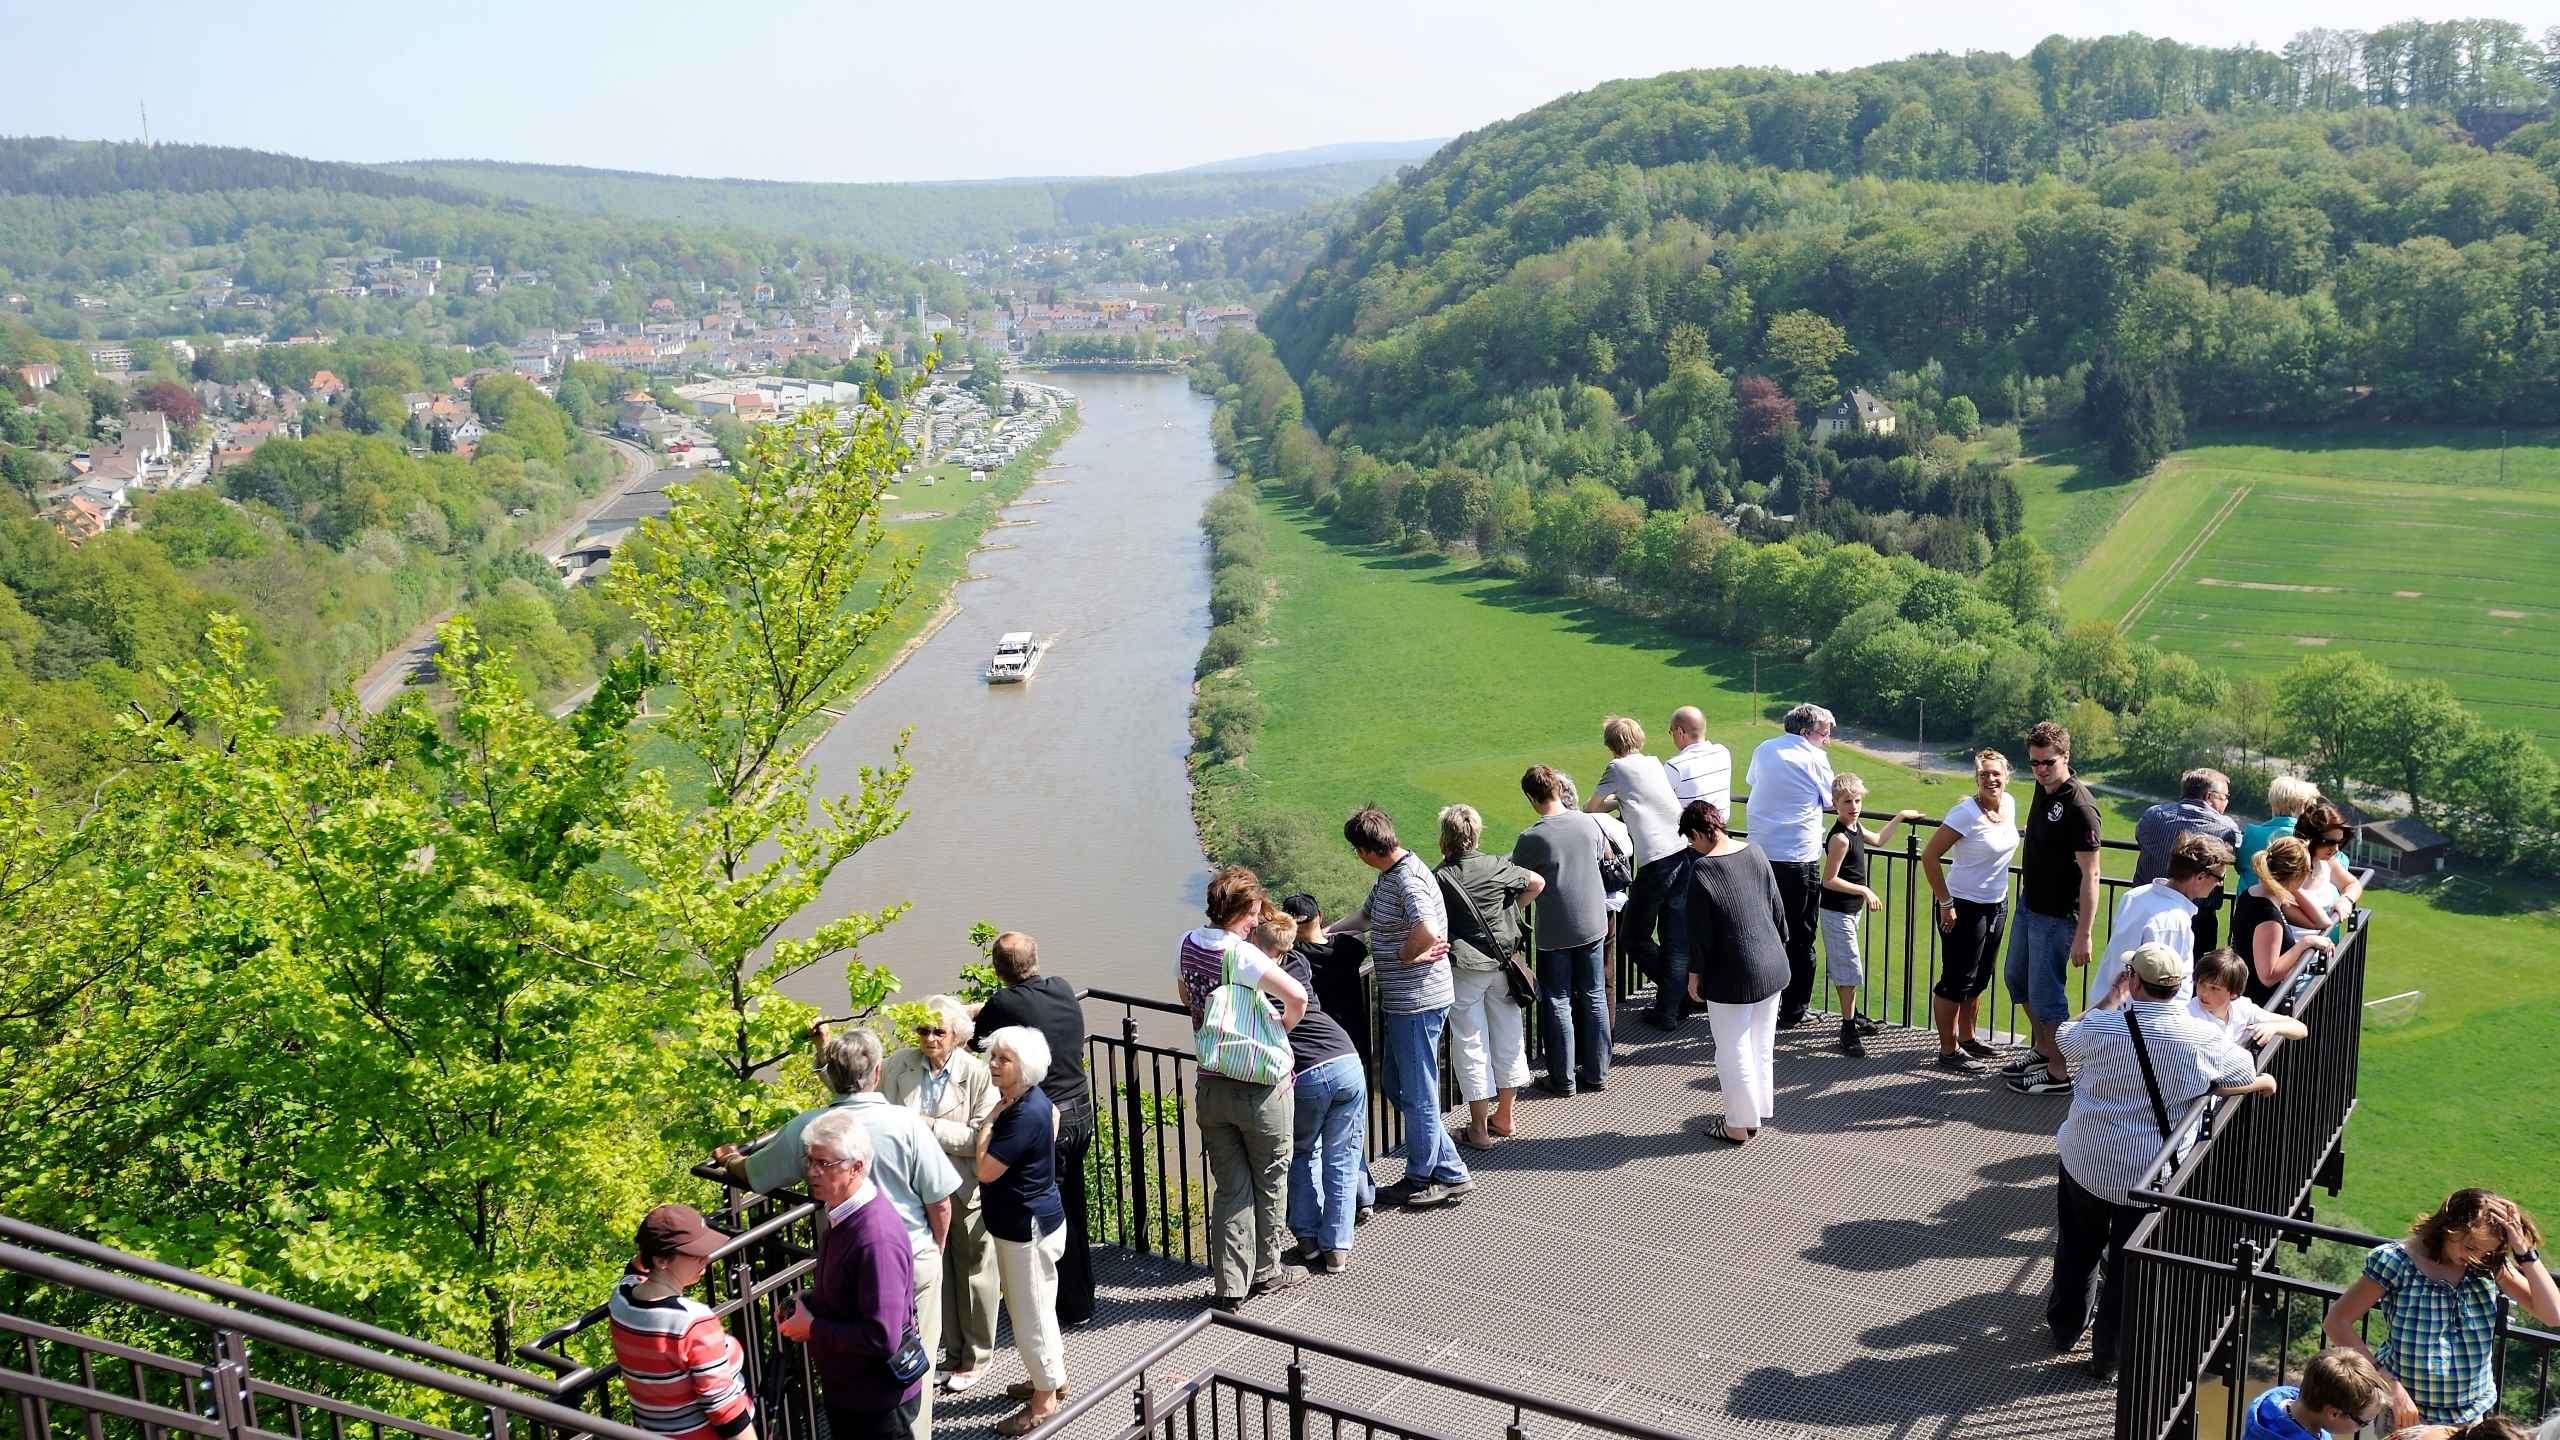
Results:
[2326, 701]
[2413, 729]
[1801, 347]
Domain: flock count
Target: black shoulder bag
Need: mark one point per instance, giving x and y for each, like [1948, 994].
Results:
[1617, 871]
[1524, 988]
[2150, 1078]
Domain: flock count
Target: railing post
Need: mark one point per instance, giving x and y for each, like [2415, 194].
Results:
[229, 1379]
[2244, 1269]
[1133, 1133]
[1297, 1397]
[1912, 883]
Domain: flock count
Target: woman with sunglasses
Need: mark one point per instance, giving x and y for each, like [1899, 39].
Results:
[940, 1080]
[2332, 889]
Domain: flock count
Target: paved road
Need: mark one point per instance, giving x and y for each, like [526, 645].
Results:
[638, 493]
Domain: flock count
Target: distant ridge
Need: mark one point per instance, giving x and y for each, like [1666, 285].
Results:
[1350, 152]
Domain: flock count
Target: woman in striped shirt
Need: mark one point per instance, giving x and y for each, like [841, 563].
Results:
[679, 1365]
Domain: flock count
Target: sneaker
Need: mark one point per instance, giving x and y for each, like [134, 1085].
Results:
[1452, 1194]
[1958, 1062]
[2024, 1064]
[1287, 1277]
[1800, 1017]
[1549, 1087]
[1978, 1050]
[1593, 1087]
[1336, 1261]
[1865, 1026]
[1414, 1197]
[1361, 1216]
[1227, 1304]
[2040, 1083]
[1850, 1044]
[2102, 1368]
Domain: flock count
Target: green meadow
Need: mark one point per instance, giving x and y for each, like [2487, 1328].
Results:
[1405, 680]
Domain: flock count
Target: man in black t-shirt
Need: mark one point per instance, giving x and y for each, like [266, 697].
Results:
[1049, 1005]
[2057, 903]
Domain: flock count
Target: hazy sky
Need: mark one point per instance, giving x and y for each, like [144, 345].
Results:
[852, 90]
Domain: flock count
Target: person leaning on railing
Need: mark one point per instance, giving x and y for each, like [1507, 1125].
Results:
[950, 1089]
[1967, 865]
[2138, 1068]
[2266, 925]
[2438, 1290]
[1328, 1113]
[681, 1368]
[2287, 797]
[2333, 888]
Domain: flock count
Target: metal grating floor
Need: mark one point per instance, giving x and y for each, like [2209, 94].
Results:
[1874, 1264]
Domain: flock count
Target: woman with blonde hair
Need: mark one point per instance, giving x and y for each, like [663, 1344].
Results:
[2439, 1290]
[1638, 789]
[2264, 927]
[1488, 1041]
[2287, 797]
[1967, 864]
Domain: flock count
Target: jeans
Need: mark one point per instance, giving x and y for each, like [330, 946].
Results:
[1488, 1047]
[1800, 896]
[2039, 968]
[1413, 1083]
[1244, 1137]
[1573, 1010]
[2090, 1245]
[1331, 1120]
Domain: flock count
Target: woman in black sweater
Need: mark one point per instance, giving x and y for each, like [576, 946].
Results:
[1737, 964]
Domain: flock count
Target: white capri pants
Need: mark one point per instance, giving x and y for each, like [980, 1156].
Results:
[1488, 1047]
[1029, 1269]
[1746, 1060]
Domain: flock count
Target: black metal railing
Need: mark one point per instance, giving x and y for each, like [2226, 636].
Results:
[1236, 1399]
[2235, 1177]
[101, 1343]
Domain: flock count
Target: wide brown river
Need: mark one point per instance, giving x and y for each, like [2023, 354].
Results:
[1060, 806]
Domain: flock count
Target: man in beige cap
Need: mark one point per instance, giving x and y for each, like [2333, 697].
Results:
[2138, 1070]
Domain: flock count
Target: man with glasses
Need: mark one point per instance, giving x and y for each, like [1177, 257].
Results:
[2341, 1394]
[907, 1164]
[950, 1089]
[862, 1290]
[2204, 797]
[2057, 903]
[2162, 912]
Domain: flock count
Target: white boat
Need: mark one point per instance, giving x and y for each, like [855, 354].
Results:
[1018, 653]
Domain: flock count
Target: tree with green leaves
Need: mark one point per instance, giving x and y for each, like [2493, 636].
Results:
[1801, 348]
[759, 600]
[2327, 703]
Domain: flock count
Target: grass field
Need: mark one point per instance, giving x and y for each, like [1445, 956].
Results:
[1406, 681]
[2406, 546]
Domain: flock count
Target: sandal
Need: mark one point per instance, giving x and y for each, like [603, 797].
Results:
[1469, 1140]
[1019, 1392]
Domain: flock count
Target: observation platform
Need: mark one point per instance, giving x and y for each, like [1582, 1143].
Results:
[1874, 1264]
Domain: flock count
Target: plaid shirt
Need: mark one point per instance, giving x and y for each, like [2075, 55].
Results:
[2441, 1337]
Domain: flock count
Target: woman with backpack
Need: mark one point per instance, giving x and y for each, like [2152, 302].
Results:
[1488, 1041]
[1242, 1004]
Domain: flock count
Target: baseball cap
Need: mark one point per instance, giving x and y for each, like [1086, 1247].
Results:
[2156, 964]
[677, 1230]
[1301, 906]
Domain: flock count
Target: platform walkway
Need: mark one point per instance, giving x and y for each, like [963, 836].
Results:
[1873, 1265]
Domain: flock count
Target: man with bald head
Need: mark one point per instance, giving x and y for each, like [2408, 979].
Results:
[1701, 769]
[1048, 1004]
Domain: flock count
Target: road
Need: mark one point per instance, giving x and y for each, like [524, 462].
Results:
[622, 503]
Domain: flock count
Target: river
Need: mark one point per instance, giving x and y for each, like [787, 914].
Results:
[1061, 806]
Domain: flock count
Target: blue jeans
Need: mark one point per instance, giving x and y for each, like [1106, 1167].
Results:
[1573, 1014]
[1326, 1163]
[2039, 967]
[1413, 1083]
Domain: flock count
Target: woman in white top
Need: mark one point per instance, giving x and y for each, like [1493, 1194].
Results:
[1967, 864]
[1638, 789]
[2331, 890]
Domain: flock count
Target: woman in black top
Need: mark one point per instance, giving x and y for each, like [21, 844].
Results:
[1737, 964]
[1329, 1116]
[1017, 1183]
[2262, 930]
[1049, 1005]
[1846, 896]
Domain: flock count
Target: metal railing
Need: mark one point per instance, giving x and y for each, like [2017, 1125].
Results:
[253, 1368]
[1230, 1402]
[2234, 1178]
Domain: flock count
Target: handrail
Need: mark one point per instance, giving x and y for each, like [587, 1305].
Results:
[20, 1231]
[77, 1276]
[1135, 1373]
[541, 1349]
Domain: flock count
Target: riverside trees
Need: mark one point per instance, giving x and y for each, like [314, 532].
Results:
[411, 1016]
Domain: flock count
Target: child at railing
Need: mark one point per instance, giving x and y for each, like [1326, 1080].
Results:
[2341, 1394]
[2222, 977]
[1846, 898]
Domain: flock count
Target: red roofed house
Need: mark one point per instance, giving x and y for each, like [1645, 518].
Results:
[325, 386]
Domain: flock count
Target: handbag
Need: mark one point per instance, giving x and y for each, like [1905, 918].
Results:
[911, 1362]
[1516, 977]
[1239, 1037]
[1617, 871]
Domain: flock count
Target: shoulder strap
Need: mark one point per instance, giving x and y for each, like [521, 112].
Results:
[2150, 1078]
[1484, 932]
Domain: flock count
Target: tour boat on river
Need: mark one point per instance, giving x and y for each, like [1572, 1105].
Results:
[1018, 653]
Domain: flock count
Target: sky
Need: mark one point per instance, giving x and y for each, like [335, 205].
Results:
[862, 90]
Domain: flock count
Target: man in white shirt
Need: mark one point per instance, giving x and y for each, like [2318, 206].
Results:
[2160, 913]
[1790, 803]
[1701, 769]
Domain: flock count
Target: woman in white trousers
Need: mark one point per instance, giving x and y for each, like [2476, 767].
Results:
[1737, 965]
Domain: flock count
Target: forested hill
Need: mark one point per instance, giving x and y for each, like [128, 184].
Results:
[922, 220]
[43, 165]
[2243, 233]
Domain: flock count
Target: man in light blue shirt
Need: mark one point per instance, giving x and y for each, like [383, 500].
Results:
[1790, 803]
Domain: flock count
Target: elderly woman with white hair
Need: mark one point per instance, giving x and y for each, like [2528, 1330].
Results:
[940, 1080]
[1018, 1188]
[1488, 1042]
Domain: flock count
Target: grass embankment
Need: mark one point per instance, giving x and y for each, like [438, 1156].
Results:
[943, 524]
[2416, 547]
[1412, 682]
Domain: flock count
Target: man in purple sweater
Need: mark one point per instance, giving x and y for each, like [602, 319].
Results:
[863, 1296]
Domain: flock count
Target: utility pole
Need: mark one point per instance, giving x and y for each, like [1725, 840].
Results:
[146, 122]
[1924, 735]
